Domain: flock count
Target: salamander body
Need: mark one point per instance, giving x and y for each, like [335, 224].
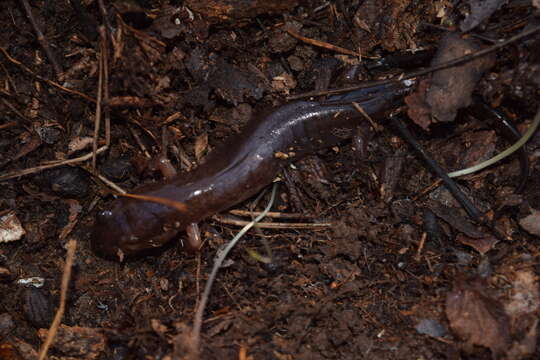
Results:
[238, 169]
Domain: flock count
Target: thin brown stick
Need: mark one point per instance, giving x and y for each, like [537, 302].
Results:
[10, 80]
[427, 189]
[39, 77]
[104, 14]
[109, 183]
[361, 110]
[139, 142]
[416, 73]
[323, 44]
[15, 111]
[97, 121]
[179, 206]
[66, 276]
[8, 125]
[54, 164]
[418, 255]
[198, 282]
[43, 41]
[140, 35]
[105, 99]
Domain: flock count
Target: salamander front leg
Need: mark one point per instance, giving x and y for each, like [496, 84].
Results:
[194, 238]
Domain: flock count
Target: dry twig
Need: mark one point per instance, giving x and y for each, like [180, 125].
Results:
[361, 110]
[51, 165]
[66, 276]
[323, 44]
[39, 77]
[97, 120]
[43, 41]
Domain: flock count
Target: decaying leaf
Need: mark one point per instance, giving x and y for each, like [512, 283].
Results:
[476, 317]
[418, 110]
[482, 245]
[531, 223]
[79, 143]
[283, 83]
[76, 341]
[525, 296]
[451, 88]
[201, 145]
[454, 219]
[507, 327]
[10, 228]
[522, 307]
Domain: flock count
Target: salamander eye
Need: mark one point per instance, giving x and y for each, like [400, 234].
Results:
[104, 218]
[106, 214]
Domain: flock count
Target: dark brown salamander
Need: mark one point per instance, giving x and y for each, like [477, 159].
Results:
[238, 169]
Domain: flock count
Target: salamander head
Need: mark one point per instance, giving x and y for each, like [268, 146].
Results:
[128, 229]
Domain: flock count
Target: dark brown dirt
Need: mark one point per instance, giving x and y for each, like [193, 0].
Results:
[374, 285]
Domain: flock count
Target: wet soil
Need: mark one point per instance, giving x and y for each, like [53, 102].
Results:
[374, 284]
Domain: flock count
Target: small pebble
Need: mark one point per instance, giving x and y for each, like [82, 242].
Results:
[431, 328]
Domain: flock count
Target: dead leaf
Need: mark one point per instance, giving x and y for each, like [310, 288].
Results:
[481, 147]
[417, 110]
[522, 308]
[525, 296]
[454, 219]
[482, 245]
[531, 223]
[78, 342]
[201, 146]
[283, 83]
[476, 317]
[79, 143]
[10, 228]
[451, 88]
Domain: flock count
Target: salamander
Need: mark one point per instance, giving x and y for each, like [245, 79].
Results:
[238, 169]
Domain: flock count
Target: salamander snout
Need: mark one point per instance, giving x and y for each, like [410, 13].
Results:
[128, 229]
[108, 233]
